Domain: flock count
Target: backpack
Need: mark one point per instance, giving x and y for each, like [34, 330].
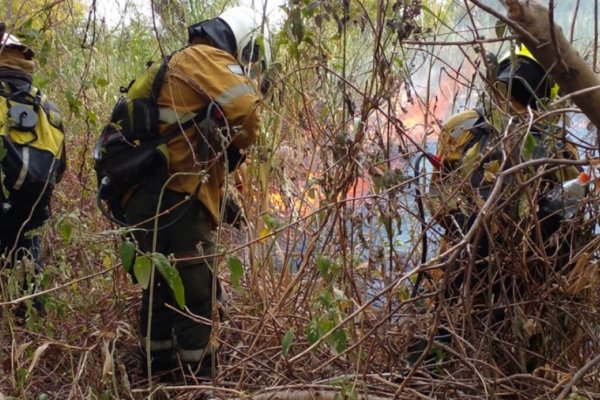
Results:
[130, 150]
[32, 157]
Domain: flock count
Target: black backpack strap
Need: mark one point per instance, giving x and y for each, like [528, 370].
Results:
[160, 76]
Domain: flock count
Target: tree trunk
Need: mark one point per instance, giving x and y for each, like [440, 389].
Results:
[556, 55]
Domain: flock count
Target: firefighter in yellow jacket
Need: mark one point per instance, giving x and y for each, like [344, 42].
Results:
[474, 147]
[32, 157]
[213, 69]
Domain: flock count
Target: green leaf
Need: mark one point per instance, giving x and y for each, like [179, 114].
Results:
[439, 354]
[236, 271]
[528, 147]
[312, 332]
[92, 117]
[171, 275]
[272, 222]
[323, 265]
[100, 82]
[325, 299]
[325, 325]
[127, 252]
[74, 103]
[142, 268]
[340, 340]
[286, 342]
[65, 228]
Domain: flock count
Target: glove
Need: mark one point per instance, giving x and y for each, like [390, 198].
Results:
[234, 215]
[234, 158]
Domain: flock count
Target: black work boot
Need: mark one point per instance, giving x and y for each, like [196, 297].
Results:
[162, 363]
[202, 369]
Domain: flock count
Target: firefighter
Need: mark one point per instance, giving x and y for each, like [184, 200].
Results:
[33, 158]
[471, 155]
[217, 66]
[473, 149]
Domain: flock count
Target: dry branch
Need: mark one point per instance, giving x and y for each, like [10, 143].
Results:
[307, 395]
[554, 52]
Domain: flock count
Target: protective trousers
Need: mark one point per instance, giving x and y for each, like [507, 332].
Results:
[17, 221]
[19, 241]
[185, 232]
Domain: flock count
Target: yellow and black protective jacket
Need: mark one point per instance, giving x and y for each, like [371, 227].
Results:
[196, 76]
[33, 146]
[471, 154]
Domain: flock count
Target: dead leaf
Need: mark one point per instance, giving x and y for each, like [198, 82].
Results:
[530, 327]
[36, 356]
[582, 276]
[546, 372]
[108, 366]
[21, 349]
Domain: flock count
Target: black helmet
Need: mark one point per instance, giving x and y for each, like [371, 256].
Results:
[528, 81]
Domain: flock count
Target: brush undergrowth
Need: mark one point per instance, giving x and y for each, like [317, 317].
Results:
[319, 277]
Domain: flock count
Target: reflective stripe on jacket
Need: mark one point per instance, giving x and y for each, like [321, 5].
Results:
[197, 75]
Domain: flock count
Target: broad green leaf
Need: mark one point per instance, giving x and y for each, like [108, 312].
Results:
[325, 325]
[236, 271]
[325, 299]
[334, 270]
[171, 275]
[142, 268]
[403, 293]
[312, 332]
[92, 117]
[340, 340]
[127, 252]
[323, 265]
[286, 342]
[528, 147]
[65, 229]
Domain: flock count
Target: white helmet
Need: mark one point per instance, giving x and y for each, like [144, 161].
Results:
[10, 41]
[247, 26]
